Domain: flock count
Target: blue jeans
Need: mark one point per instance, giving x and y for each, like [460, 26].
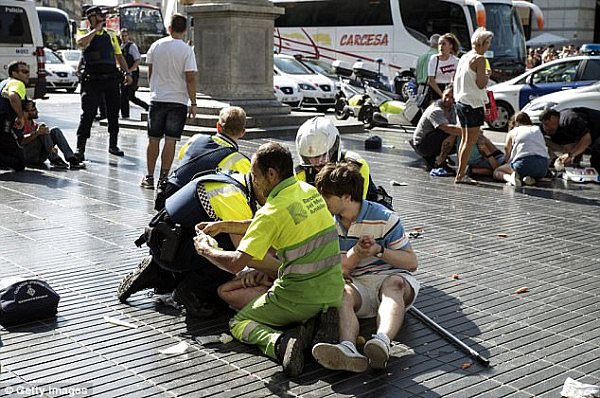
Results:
[38, 151]
[166, 119]
[534, 166]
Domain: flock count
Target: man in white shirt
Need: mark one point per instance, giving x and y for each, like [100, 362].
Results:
[171, 71]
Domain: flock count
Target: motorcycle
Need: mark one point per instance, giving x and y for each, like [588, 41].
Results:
[348, 100]
[403, 82]
[380, 108]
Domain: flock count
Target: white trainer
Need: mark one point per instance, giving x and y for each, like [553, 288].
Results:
[378, 352]
[339, 357]
[528, 180]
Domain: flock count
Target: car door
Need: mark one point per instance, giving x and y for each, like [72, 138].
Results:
[554, 77]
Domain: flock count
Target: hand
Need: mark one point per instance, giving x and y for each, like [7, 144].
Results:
[19, 122]
[201, 244]
[192, 112]
[128, 80]
[210, 228]
[566, 158]
[43, 129]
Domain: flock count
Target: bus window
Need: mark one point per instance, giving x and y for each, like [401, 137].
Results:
[14, 26]
[335, 13]
[424, 18]
[509, 40]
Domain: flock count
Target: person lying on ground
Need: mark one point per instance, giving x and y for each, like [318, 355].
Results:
[377, 261]
[484, 158]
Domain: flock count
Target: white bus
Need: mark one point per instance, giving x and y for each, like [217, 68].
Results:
[398, 30]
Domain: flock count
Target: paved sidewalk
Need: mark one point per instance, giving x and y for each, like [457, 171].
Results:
[76, 230]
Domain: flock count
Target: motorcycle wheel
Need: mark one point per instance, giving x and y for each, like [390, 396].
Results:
[366, 116]
[340, 110]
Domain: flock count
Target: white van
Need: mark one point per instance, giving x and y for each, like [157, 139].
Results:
[21, 39]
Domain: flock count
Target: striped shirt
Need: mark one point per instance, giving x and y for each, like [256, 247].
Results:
[385, 227]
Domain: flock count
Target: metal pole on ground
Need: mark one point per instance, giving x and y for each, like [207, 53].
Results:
[448, 336]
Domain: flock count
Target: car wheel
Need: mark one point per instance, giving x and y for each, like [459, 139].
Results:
[505, 111]
[340, 110]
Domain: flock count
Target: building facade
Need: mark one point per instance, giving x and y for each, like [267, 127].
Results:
[576, 20]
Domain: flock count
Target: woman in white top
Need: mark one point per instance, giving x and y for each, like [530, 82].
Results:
[442, 66]
[526, 148]
[470, 80]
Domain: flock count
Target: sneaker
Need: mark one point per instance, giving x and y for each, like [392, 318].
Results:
[514, 179]
[327, 327]
[194, 307]
[58, 163]
[147, 182]
[528, 180]
[114, 150]
[378, 352]
[340, 357]
[290, 350]
[74, 164]
[143, 277]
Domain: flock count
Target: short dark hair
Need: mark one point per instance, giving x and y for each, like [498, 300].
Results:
[340, 179]
[178, 23]
[548, 113]
[274, 156]
[14, 66]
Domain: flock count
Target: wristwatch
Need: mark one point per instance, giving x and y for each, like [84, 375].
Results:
[380, 253]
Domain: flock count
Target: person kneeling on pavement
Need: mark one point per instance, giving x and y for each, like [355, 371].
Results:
[40, 142]
[377, 261]
[294, 220]
[436, 132]
[173, 263]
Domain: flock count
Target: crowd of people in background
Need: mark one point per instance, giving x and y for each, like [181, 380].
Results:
[538, 55]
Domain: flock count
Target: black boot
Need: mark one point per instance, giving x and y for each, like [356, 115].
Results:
[290, 350]
[80, 154]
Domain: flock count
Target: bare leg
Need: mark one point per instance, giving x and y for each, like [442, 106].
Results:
[395, 294]
[166, 158]
[502, 173]
[152, 154]
[469, 138]
[349, 326]
[237, 296]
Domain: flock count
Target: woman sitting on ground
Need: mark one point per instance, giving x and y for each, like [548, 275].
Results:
[527, 153]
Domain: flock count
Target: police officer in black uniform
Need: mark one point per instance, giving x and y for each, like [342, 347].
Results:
[100, 77]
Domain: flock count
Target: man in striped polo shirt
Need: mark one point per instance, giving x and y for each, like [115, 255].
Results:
[377, 260]
[295, 221]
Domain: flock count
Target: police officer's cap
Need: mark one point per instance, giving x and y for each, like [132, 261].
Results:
[94, 10]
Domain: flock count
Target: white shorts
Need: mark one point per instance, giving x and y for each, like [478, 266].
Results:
[368, 286]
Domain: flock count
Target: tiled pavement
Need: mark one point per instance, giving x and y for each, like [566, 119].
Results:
[76, 230]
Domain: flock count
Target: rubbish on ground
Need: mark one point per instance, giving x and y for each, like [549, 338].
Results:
[418, 229]
[119, 322]
[179, 348]
[574, 389]
[503, 235]
[414, 235]
[588, 174]
[521, 290]
[465, 366]
[439, 172]
[455, 276]
[395, 183]
[360, 340]
[214, 338]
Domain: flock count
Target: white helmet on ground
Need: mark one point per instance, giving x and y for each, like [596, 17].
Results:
[318, 142]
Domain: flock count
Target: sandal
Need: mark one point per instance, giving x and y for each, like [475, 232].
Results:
[465, 180]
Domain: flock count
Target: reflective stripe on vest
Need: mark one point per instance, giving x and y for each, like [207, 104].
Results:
[230, 161]
[221, 190]
[309, 268]
[299, 252]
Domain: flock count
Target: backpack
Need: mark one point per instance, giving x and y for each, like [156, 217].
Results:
[25, 300]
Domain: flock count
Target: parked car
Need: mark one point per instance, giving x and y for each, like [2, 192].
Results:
[70, 57]
[590, 49]
[58, 74]
[318, 91]
[587, 97]
[566, 73]
[287, 91]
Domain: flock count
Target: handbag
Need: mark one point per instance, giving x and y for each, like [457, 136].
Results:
[491, 111]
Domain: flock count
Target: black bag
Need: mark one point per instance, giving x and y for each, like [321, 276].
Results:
[380, 196]
[25, 300]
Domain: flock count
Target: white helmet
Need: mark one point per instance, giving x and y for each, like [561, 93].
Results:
[318, 142]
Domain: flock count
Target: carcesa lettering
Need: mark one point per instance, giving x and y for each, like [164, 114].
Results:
[368, 39]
